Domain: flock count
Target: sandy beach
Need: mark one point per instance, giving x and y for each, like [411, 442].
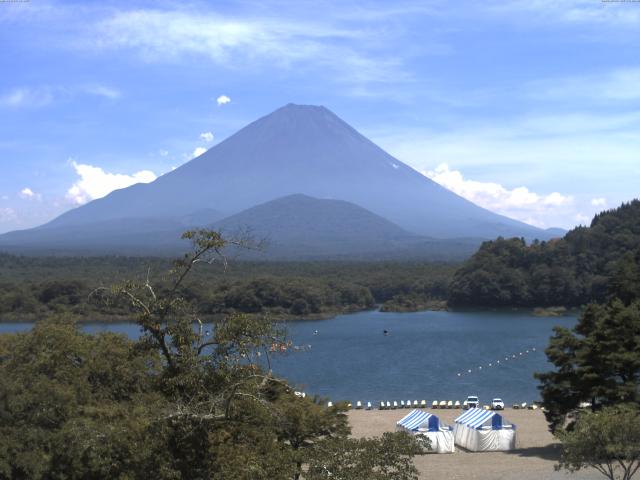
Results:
[534, 459]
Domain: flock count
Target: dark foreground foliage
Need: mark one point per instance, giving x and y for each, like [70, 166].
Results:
[597, 362]
[572, 271]
[180, 403]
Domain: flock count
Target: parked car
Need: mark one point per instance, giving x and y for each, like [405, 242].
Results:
[472, 401]
[497, 404]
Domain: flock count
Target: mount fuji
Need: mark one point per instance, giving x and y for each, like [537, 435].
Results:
[300, 152]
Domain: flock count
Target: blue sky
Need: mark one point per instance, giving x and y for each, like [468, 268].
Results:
[529, 108]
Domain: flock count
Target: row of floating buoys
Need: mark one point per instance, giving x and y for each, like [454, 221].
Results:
[498, 362]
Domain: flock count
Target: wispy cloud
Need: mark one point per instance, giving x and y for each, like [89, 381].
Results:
[44, 95]
[29, 97]
[94, 182]
[7, 215]
[346, 50]
[619, 85]
[101, 91]
[618, 14]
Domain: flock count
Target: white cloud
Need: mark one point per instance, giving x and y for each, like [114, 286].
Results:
[207, 136]
[223, 100]
[28, 194]
[599, 202]
[338, 45]
[95, 183]
[163, 153]
[198, 151]
[582, 219]
[519, 203]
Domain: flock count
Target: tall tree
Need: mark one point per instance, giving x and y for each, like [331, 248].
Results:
[188, 400]
[598, 361]
[608, 441]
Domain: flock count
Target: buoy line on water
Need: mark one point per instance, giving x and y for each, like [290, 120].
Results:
[497, 363]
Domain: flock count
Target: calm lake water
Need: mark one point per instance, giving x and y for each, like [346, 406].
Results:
[351, 359]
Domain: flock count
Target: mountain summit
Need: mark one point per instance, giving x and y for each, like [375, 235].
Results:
[298, 149]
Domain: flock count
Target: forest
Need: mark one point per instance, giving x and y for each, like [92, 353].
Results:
[573, 271]
[579, 268]
[33, 288]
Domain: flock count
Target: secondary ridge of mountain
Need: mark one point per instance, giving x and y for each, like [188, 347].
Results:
[297, 149]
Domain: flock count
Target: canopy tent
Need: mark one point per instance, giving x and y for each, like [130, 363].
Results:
[481, 430]
[427, 424]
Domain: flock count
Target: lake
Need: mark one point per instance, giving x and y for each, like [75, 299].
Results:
[352, 359]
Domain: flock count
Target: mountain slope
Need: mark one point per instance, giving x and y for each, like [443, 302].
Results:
[302, 227]
[296, 227]
[309, 150]
[296, 149]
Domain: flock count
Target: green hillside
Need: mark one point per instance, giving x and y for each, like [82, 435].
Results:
[571, 271]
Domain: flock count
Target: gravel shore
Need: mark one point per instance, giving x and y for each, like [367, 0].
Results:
[534, 459]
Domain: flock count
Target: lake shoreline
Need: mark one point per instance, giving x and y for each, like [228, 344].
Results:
[436, 306]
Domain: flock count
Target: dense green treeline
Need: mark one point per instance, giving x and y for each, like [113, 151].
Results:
[35, 287]
[575, 270]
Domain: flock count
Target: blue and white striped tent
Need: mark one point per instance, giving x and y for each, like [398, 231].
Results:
[427, 424]
[477, 417]
[481, 430]
[417, 418]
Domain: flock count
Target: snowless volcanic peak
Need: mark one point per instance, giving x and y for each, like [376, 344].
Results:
[300, 149]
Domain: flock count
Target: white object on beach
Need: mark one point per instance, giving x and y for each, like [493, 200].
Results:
[388, 404]
[434, 404]
[395, 404]
[358, 404]
[382, 405]
[419, 422]
[415, 404]
[442, 404]
[457, 404]
[450, 404]
[368, 405]
[329, 404]
[483, 431]
[423, 404]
